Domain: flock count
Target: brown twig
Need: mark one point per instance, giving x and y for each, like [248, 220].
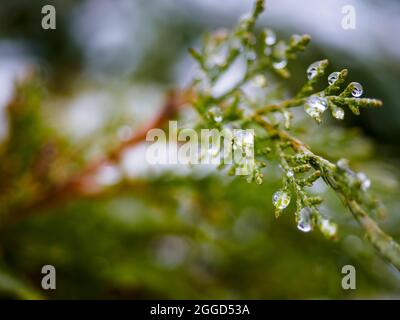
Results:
[78, 183]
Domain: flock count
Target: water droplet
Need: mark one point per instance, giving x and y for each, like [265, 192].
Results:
[328, 228]
[332, 78]
[244, 17]
[280, 64]
[215, 113]
[279, 50]
[260, 81]
[296, 38]
[315, 106]
[281, 199]
[365, 182]
[217, 56]
[267, 51]
[288, 119]
[289, 173]
[357, 89]
[258, 178]
[251, 55]
[304, 223]
[343, 164]
[270, 37]
[312, 70]
[243, 138]
[338, 113]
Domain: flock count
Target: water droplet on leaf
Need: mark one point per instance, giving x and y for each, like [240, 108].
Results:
[338, 113]
[365, 182]
[281, 199]
[343, 164]
[260, 81]
[280, 64]
[332, 78]
[216, 113]
[251, 55]
[304, 223]
[328, 228]
[270, 37]
[267, 51]
[357, 90]
[312, 70]
[296, 38]
[258, 177]
[315, 106]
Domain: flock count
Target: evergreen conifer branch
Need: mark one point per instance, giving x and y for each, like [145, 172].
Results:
[265, 59]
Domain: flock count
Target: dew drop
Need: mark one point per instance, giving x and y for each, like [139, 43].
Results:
[357, 90]
[338, 113]
[216, 113]
[289, 173]
[312, 70]
[260, 81]
[304, 222]
[258, 178]
[279, 50]
[343, 164]
[332, 78]
[251, 55]
[281, 199]
[270, 37]
[280, 64]
[365, 182]
[315, 106]
[243, 138]
[296, 38]
[328, 228]
[217, 57]
[267, 51]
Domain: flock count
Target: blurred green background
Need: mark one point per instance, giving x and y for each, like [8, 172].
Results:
[171, 232]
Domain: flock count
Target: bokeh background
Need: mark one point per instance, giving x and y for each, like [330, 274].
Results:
[173, 232]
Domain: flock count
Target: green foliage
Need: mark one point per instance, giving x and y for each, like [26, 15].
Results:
[301, 168]
[212, 236]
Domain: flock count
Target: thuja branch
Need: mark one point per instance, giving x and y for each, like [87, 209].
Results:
[385, 245]
[253, 101]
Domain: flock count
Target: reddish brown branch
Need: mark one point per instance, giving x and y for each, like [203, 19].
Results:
[78, 183]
